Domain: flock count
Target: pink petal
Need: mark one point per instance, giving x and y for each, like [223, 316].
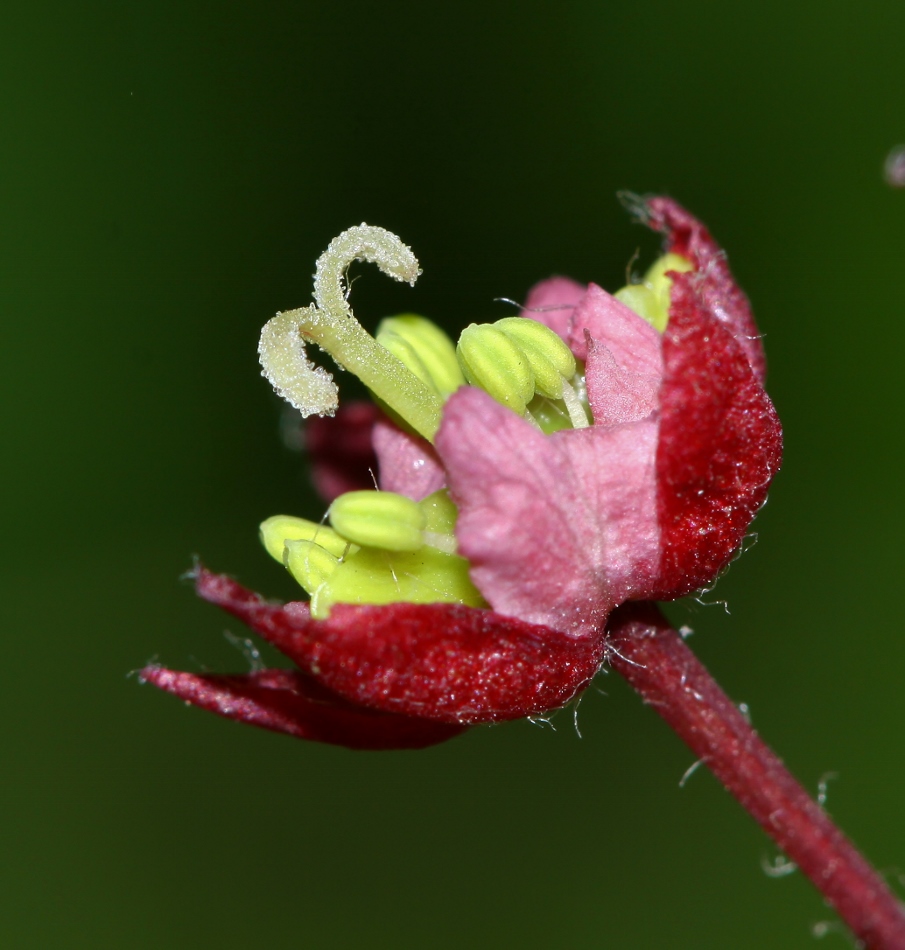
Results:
[552, 301]
[558, 529]
[717, 290]
[624, 359]
[340, 448]
[634, 343]
[440, 662]
[408, 464]
[291, 702]
[615, 395]
[720, 442]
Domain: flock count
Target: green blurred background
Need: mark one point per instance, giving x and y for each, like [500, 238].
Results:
[169, 173]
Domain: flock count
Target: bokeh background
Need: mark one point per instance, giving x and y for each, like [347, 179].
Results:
[169, 172]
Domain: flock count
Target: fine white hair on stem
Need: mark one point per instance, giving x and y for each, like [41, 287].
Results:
[778, 866]
[689, 772]
[822, 783]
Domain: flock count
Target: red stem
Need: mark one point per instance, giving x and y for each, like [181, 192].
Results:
[656, 661]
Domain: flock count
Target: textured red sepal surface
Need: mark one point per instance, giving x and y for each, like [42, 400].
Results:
[717, 290]
[720, 438]
[291, 702]
[720, 445]
[434, 661]
[341, 450]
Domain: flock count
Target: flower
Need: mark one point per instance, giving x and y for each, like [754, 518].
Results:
[608, 449]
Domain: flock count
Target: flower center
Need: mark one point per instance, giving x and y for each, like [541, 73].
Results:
[382, 547]
[412, 366]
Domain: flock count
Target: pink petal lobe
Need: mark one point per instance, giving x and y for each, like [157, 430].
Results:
[291, 702]
[634, 343]
[558, 529]
[717, 290]
[408, 464]
[552, 302]
[616, 395]
[720, 443]
[342, 455]
[442, 662]
[624, 360]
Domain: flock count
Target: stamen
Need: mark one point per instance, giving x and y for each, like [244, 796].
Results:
[577, 415]
[440, 521]
[278, 530]
[550, 359]
[372, 576]
[379, 519]
[496, 363]
[310, 564]
[404, 551]
[332, 325]
[650, 299]
[645, 303]
[550, 414]
[425, 349]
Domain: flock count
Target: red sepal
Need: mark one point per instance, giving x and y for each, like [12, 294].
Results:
[441, 662]
[720, 438]
[291, 702]
[718, 293]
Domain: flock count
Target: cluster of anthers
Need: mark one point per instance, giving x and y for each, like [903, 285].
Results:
[382, 546]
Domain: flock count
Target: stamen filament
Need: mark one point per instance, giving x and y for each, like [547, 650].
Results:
[577, 414]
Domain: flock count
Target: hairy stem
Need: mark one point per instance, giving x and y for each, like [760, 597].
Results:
[657, 663]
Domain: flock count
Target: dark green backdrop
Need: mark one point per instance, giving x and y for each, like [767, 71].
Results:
[169, 172]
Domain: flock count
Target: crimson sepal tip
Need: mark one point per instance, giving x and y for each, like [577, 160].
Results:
[288, 701]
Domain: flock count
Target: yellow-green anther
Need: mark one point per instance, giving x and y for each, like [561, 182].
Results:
[378, 519]
[492, 361]
[309, 563]
[661, 285]
[425, 349]
[331, 325]
[656, 278]
[278, 530]
[439, 512]
[371, 576]
[645, 303]
[404, 351]
[551, 360]
[650, 299]
[439, 521]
